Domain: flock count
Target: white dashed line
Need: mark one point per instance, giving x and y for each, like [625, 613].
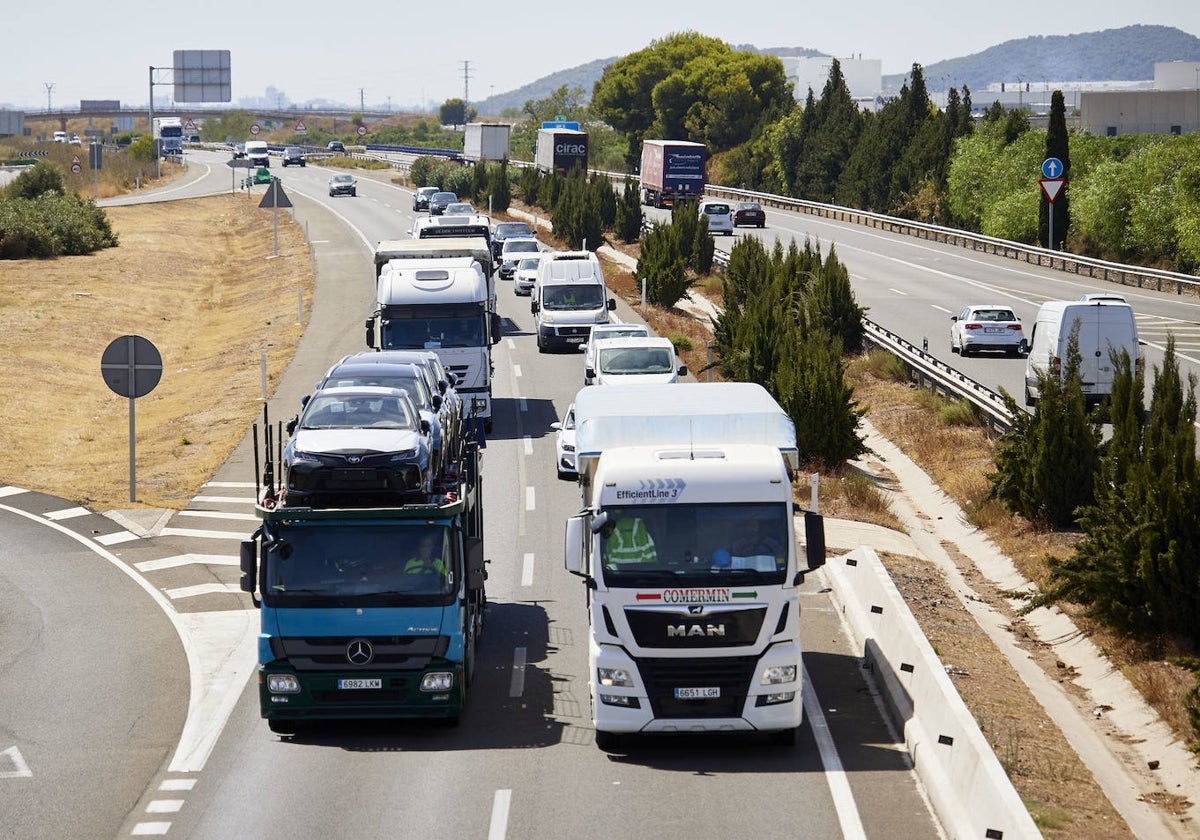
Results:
[527, 571]
[500, 805]
[529, 499]
[517, 688]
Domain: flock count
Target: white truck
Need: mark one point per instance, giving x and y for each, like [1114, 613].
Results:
[687, 545]
[486, 141]
[168, 136]
[569, 297]
[429, 300]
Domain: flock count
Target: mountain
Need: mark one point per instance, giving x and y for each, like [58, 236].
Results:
[1125, 54]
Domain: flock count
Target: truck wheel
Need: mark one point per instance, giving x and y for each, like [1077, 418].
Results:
[608, 741]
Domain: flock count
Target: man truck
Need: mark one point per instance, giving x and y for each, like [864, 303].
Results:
[367, 613]
[687, 545]
[672, 170]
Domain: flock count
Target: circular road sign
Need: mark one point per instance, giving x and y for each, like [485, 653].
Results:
[254, 129]
[131, 366]
[76, 168]
[1052, 168]
[362, 129]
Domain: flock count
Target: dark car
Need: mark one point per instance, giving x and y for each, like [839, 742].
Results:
[421, 197]
[357, 446]
[508, 230]
[749, 213]
[342, 184]
[439, 201]
[293, 156]
[335, 146]
[239, 151]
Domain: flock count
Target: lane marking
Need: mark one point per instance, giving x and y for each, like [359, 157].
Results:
[177, 784]
[523, 405]
[151, 828]
[528, 445]
[202, 589]
[118, 537]
[898, 291]
[67, 513]
[217, 514]
[941, 309]
[529, 499]
[164, 806]
[527, 570]
[835, 773]
[187, 560]
[517, 687]
[20, 768]
[498, 829]
[517, 371]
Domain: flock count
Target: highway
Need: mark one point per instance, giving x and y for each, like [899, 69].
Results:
[162, 734]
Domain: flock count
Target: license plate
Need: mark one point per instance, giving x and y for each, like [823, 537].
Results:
[993, 329]
[575, 340]
[353, 476]
[359, 684]
[697, 693]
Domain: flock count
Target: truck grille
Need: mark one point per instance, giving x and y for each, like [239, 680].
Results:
[731, 675]
[680, 630]
[389, 652]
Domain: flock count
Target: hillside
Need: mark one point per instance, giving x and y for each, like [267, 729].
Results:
[1125, 54]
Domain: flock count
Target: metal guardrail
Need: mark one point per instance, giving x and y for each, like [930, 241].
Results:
[930, 372]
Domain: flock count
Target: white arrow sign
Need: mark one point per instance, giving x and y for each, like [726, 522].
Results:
[20, 768]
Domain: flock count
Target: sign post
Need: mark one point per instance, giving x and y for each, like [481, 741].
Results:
[1052, 182]
[131, 367]
[275, 198]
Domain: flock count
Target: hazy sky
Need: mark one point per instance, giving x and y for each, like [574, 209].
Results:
[413, 52]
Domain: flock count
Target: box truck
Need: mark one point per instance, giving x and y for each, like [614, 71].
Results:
[486, 141]
[672, 170]
[687, 544]
[561, 150]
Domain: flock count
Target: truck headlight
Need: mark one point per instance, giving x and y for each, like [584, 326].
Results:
[283, 684]
[437, 681]
[775, 674]
[614, 677]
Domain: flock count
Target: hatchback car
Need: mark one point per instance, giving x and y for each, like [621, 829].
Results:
[239, 151]
[421, 197]
[357, 446]
[411, 377]
[526, 274]
[293, 156]
[507, 230]
[749, 213]
[343, 184]
[564, 444]
[719, 215]
[513, 251]
[439, 201]
[990, 327]
[336, 146]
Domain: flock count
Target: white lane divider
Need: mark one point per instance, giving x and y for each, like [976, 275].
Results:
[528, 445]
[500, 805]
[835, 773]
[517, 371]
[527, 570]
[517, 688]
[529, 502]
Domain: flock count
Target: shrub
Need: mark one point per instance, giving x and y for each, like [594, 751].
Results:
[629, 213]
[662, 267]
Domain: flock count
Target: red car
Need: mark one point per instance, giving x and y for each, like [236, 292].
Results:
[749, 213]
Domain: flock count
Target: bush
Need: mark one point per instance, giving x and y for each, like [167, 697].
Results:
[662, 267]
[52, 225]
[629, 213]
[39, 179]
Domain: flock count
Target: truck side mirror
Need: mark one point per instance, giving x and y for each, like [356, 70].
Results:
[533, 307]
[249, 564]
[683, 370]
[612, 305]
[814, 539]
[291, 426]
[476, 568]
[371, 333]
[497, 327]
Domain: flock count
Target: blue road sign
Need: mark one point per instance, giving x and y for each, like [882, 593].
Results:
[1052, 168]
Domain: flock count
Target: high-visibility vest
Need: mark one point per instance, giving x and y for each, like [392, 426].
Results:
[630, 542]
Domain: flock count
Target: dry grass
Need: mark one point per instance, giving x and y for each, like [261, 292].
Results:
[200, 282]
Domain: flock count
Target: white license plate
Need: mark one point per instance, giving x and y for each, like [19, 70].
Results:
[575, 340]
[356, 684]
[993, 330]
[697, 693]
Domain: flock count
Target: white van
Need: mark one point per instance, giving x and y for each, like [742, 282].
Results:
[569, 297]
[646, 360]
[1106, 324]
[257, 153]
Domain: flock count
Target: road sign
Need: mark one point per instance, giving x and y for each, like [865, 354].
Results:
[239, 163]
[76, 168]
[1052, 168]
[275, 196]
[570, 125]
[131, 366]
[34, 153]
[254, 129]
[301, 128]
[1051, 187]
[189, 125]
[95, 156]
[362, 130]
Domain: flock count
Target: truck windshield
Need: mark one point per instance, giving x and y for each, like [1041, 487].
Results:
[359, 565]
[172, 131]
[566, 298]
[421, 333]
[659, 545]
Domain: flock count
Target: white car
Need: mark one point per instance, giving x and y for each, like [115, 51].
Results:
[635, 361]
[526, 274]
[512, 252]
[987, 327]
[564, 443]
[600, 332]
[719, 215]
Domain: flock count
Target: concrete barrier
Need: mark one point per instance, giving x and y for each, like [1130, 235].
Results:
[970, 792]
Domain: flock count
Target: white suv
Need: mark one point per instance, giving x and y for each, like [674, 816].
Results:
[720, 216]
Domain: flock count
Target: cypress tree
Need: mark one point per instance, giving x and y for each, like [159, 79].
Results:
[1057, 146]
[629, 213]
